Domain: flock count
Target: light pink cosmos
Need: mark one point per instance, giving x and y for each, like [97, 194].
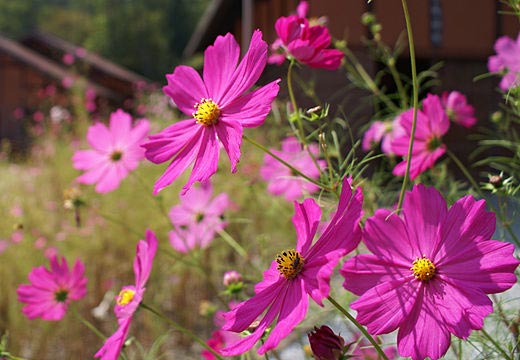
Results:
[506, 61]
[52, 290]
[307, 43]
[219, 107]
[429, 272]
[432, 124]
[130, 297]
[197, 218]
[307, 269]
[115, 151]
[384, 132]
[280, 179]
[458, 109]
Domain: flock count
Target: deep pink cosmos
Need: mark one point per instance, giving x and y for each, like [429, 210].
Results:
[115, 151]
[51, 291]
[197, 218]
[432, 124]
[279, 177]
[308, 43]
[458, 109]
[307, 269]
[506, 61]
[130, 297]
[429, 272]
[219, 108]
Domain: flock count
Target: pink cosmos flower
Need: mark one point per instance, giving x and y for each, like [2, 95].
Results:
[130, 297]
[282, 294]
[384, 132]
[115, 151]
[219, 108]
[197, 218]
[429, 271]
[307, 43]
[458, 109]
[432, 124]
[281, 181]
[506, 61]
[51, 291]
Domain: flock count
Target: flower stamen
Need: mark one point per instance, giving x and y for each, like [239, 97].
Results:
[423, 268]
[125, 296]
[207, 113]
[290, 263]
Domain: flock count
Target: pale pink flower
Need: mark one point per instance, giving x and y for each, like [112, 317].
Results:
[51, 291]
[458, 109]
[384, 132]
[433, 281]
[68, 59]
[280, 179]
[115, 151]
[506, 61]
[297, 273]
[432, 124]
[219, 108]
[130, 297]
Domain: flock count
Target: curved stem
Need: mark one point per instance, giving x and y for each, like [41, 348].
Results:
[182, 330]
[497, 346]
[233, 243]
[88, 324]
[415, 85]
[293, 102]
[292, 168]
[359, 326]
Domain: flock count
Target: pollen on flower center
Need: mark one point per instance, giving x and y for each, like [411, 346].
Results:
[116, 155]
[207, 112]
[423, 269]
[433, 143]
[125, 296]
[290, 263]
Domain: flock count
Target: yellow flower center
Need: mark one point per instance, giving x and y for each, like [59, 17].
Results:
[125, 296]
[290, 263]
[423, 269]
[207, 112]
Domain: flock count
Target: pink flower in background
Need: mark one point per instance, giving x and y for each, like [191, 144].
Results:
[216, 342]
[220, 109]
[115, 151]
[364, 350]
[197, 218]
[51, 291]
[130, 297]
[432, 124]
[68, 59]
[384, 132]
[282, 294]
[280, 179]
[506, 61]
[458, 109]
[4, 244]
[432, 282]
[306, 43]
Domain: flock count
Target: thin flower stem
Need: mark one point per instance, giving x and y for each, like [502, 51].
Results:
[293, 102]
[292, 168]
[182, 330]
[497, 346]
[359, 326]
[415, 85]
[156, 199]
[233, 243]
[481, 194]
[8, 356]
[89, 325]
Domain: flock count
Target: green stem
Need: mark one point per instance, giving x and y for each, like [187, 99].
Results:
[359, 326]
[233, 243]
[156, 199]
[415, 85]
[182, 330]
[497, 346]
[293, 102]
[89, 325]
[292, 168]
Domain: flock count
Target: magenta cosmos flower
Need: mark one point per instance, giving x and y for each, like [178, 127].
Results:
[51, 291]
[432, 124]
[280, 179]
[458, 109]
[197, 218]
[115, 151]
[429, 272]
[506, 61]
[219, 110]
[307, 269]
[130, 297]
[308, 43]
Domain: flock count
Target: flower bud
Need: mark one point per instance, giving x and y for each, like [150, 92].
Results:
[325, 344]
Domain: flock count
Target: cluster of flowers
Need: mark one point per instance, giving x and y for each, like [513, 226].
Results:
[430, 267]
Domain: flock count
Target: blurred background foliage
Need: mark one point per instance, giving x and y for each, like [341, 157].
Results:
[124, 31]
